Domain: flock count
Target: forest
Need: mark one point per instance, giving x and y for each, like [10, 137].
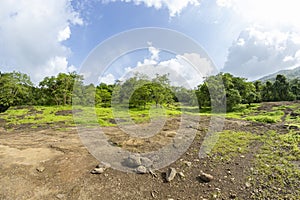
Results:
[140, 91]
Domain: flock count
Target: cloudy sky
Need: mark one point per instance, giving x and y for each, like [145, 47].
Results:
[249, 38]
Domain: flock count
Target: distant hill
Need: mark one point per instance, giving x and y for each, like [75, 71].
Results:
[289, 74]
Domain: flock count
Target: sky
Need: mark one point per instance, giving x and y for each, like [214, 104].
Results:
[248, 38]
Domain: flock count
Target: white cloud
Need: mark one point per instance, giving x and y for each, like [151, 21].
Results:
[288, 58]
[224, 3]
[64, 34]
[263, 52]
[186, 70]
[175, 7]
[52, 67]
[108, 79]
[31, 32]
[265, 12]
[154, 56]
[240, 42]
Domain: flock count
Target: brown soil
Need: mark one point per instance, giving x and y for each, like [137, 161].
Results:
[52, 164]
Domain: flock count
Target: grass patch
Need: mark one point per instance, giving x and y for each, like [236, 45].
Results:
[275, 176]
[267, 117]
[231, 143]
[294, 118]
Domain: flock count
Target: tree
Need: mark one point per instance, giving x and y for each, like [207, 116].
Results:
[281, 89]
[258, 88]
[267, 91]
[59, 90]
[15, 88]
[233, 98]
[184, 95]
[203, 96]
[161, 90]
[141, 96]
[295, 88]
[104, 95]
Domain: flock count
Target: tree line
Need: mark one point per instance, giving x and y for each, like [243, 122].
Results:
[139, 91]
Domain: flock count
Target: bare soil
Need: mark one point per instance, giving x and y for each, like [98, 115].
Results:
[50, 164]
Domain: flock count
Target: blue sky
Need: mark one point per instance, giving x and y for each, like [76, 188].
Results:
[243, 37]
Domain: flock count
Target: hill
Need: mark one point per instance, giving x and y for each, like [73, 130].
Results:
[290, 74]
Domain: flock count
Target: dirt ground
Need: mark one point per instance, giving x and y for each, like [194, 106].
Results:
[52, 164]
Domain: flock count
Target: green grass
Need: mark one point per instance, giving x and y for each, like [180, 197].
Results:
[275, 171]
[275, 176]
[93, 116]
[232, 143]
[37, 116]
[293, 120]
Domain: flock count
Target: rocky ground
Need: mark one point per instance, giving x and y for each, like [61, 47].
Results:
[52, 164]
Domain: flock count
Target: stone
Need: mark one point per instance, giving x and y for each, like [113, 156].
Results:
[60, 196]
[98, 170]
[170, 175]
[187, 163]
[152, 173]
[103, 165]
[232, 196]
[133, 161]
[181, 174]
[247, 184]
[206, 177]
[40, 169]
[141, 169]
[146, 162]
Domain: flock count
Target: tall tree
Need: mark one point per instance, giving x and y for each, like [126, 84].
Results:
[281, 89]
[15, 89]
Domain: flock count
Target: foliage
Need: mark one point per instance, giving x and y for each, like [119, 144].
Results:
[218, 93]
[15, 89]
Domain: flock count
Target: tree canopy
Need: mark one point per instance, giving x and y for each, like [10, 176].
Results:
[140, 90]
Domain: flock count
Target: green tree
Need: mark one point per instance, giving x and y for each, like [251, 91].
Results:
[295, 88]
[267, 93]
[281, 89]
[15, 89]
[104, 95]
[59, 90]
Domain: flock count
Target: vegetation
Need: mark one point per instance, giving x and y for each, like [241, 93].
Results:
[219, 91]
[275, 165]
[274, 173]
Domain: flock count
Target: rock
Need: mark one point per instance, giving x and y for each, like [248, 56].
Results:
[205, 177]
[40, 169]
[247, 184]
[133, 161]
[152, 173]
[187, 163]
[60, 196]
[141, 170]
[232, 196]
[181, 174]
[103, 165]
[146, 161]
[170, 175]
[98, 170]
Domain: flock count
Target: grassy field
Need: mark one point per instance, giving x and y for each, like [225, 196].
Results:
[37, 116]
